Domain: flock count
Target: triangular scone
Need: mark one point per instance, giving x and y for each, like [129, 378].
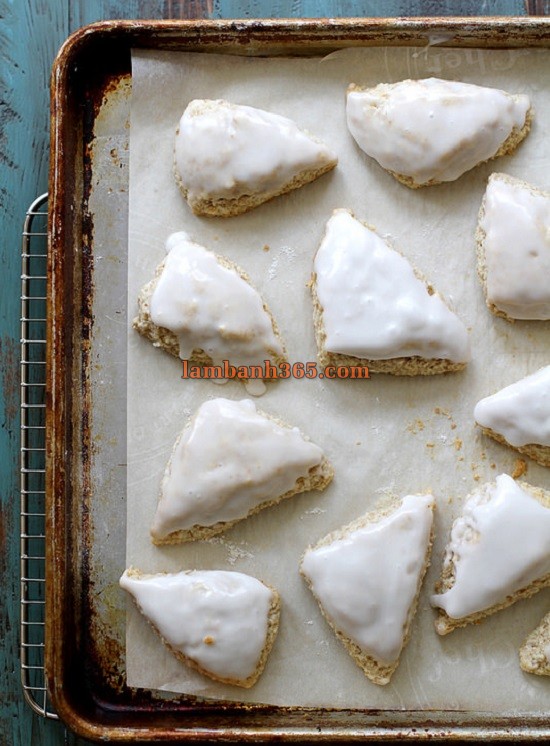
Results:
[222, 624]
[429, 131]
[498, 553]
[366, 578]
[201, 307]
[519, 415]
[228, 463]
[534, 654]
[372, 309]
[230, 158]
[513, 248]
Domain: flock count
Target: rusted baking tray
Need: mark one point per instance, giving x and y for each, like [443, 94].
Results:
[86, 388]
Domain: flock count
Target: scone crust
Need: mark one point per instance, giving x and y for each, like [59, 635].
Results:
[226, 207]
[318, 478]
[507, 148]
[480, 236]
[445, 624]
[272, 629]
[223, 207]
[374, 670]
[398, 366]
[168, 341]
[532, 658]
[516, 136]
[540, 454]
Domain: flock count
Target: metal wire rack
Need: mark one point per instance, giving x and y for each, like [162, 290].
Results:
[33, 455]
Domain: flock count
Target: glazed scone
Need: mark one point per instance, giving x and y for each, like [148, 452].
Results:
[498, 553]
[519, 415]
[429, 131]
[222, 624]
[228, 463]
[202, 308]
[372, 309]
[534, 654]
[367, 577]
[513, 248]
[230, 158]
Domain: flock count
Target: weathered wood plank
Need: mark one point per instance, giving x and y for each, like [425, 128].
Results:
[537, 7]
[362, 8]
[86, 11]
[82, 13]
[29, 36]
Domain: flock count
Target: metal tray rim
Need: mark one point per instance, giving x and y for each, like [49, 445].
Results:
[68, 220]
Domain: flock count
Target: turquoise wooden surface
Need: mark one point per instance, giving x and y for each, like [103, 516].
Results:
[31, 31]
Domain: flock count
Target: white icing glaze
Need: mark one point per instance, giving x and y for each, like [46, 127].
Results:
[210, 307]
[500, 545]
[225, 151]
[218, 619]
[367, 581]
[432, 129]
[520, 412]
[516, 222]
[227, 462]
[546, 651]
[373, 304]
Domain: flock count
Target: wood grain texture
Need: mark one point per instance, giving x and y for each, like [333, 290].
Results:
[361, 8]
[31, 31]
[537, 7]
[27, 47]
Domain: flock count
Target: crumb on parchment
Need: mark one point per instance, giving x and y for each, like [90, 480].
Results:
[520, 468]
[416, 426]
[445, 413]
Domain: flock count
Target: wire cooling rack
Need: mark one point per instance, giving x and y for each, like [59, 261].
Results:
[33, 456]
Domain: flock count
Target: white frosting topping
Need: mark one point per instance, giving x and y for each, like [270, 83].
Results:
[500, 545]
[432, 129]
[520, 412]
[218, 619]
[230, 460]
[225, 151]
[516, 222]
[211, 307]
[546, 651]
[373, 304]
[367, 581]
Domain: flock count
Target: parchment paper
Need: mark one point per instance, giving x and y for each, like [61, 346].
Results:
[385, 436]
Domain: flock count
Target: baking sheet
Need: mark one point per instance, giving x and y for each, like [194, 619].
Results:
[384, 436]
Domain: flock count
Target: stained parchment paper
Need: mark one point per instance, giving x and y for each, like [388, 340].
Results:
[384, 436]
